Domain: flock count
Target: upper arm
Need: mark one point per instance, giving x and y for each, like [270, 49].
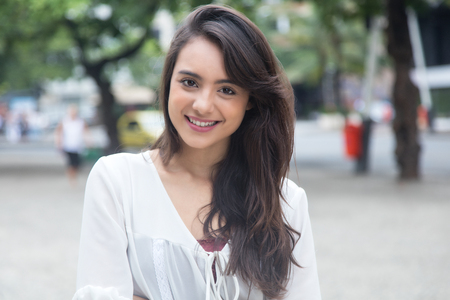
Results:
[103, 260]
[303, 281]
[58, 129]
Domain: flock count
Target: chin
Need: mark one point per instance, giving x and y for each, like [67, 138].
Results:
[203, 143]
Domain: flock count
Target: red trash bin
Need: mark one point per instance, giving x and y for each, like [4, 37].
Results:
[422, 117]
[353, 140]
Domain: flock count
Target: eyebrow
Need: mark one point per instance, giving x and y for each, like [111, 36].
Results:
[195, 75]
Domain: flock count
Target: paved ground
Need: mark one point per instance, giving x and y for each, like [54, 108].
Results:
[375, 238]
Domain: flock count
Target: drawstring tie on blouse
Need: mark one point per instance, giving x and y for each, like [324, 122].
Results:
[214, 286]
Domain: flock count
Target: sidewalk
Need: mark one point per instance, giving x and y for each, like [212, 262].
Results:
[39, 227]
[375, 238]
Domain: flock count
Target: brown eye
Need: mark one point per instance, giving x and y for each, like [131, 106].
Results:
[189, 83]
[227, 91]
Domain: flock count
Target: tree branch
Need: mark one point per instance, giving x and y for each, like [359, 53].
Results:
[81, 43]
[128, 51]
[73, 27]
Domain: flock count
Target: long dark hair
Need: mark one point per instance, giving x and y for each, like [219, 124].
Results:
[247, 183]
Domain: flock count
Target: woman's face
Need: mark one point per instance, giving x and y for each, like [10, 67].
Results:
[204, 106]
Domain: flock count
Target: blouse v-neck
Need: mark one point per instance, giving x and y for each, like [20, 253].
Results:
[193, 240]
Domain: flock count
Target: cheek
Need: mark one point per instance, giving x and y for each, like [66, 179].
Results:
[174, 102]
[235, 114]
[172, 109]
[238, 109]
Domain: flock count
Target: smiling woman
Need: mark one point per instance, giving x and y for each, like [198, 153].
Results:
[207, 213]
[204, 106]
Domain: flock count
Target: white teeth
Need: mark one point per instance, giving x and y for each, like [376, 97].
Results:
[201, 124]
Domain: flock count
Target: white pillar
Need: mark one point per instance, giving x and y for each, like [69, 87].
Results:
[419, 59]
[376, 25]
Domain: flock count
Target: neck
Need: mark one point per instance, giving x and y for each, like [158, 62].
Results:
[198, 162]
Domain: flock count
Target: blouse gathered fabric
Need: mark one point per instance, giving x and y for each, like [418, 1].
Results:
[133, 242]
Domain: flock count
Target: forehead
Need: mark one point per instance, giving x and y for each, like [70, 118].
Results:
[200, 54]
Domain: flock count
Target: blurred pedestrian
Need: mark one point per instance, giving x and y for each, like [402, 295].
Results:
[23, 125]
[13, 130]
[3, 113]
[70, 139]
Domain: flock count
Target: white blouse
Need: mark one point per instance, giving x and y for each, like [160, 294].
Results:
[133, 242]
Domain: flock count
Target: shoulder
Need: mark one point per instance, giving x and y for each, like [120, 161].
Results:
[117, 175]
[121, 164]
[64, 121]
[292, 193]
[126, 159]
[295, 201]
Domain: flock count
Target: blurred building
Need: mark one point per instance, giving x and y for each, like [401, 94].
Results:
[58, 95]
[434, 27]
[435, 32]
[19, 116]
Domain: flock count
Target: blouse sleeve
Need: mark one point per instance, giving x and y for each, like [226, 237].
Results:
[103, 268]
[303, 282]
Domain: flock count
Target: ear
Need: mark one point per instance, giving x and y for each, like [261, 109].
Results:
[249, 105]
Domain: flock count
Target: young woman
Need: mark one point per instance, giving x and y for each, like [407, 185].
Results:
[208, 212]
[71, 135]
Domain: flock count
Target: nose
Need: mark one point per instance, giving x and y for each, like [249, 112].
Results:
[204, 102]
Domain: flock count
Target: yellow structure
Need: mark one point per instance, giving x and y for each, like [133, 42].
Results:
[140, 128]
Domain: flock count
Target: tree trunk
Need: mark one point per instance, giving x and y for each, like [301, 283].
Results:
[405, 94]
[109, 118]
[337, 45]
[337, 89]
[95, 70]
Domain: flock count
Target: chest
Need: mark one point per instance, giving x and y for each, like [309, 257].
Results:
[191, 199]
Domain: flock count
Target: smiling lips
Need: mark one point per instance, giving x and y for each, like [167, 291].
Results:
[201, 125]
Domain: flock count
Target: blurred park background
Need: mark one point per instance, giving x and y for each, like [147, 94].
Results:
[372, 145]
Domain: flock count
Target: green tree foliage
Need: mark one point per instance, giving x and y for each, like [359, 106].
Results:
[31, 48]
[105, 34]
[307, 49]
[326, 39]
